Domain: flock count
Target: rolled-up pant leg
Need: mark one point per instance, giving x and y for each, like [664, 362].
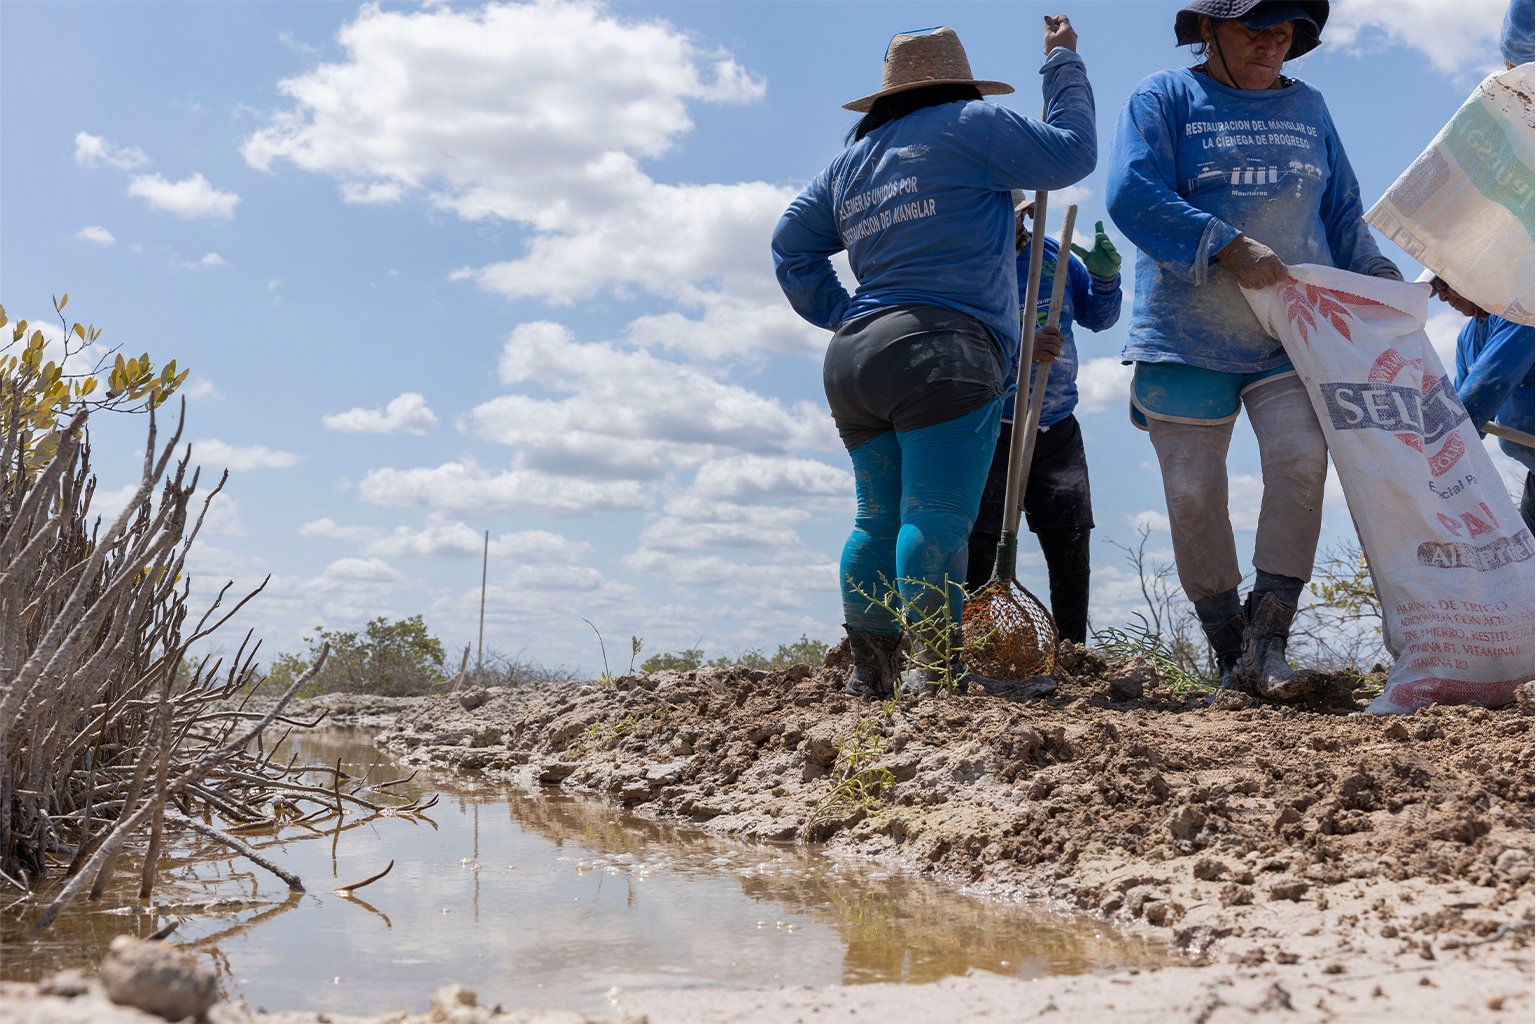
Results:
[1193, 459]
[1293, 455]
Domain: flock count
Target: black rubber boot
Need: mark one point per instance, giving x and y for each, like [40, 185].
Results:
[876, 667]
[1263, 666]
[1066, 563]
[1221, 617]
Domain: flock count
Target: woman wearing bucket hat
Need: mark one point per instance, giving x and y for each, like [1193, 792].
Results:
[1221, 174]
[914, 370]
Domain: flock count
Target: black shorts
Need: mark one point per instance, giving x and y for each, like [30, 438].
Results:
[908, 367]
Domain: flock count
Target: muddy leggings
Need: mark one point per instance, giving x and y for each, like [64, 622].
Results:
[917, 494]
[1293, 456]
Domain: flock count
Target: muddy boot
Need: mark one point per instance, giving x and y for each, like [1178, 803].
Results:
[876, 667]
[1221, 617]
[1269, 612]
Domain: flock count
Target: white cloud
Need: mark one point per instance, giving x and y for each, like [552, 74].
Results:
[297, 45]
[444, 535]
[360, 570]
[96, 233]
[215, 453]
[465, 100]
[1455, 37]
[630, 415]
[407, 413]
[190, 197]
[471, 109]
[1244, 493]
[328, 529]
[754, 478]
[94, 151]
[1153, 520]
[211, 259]
[1103, 383]
[223, 517]
[200, 387]
[465, 486]
[730, 327]
[715, 243]
[453, 538]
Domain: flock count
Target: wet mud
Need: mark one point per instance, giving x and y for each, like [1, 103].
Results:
[1303, 863]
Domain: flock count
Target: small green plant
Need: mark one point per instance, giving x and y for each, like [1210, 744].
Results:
[860, 783]
[606, 680]
[1140, 640]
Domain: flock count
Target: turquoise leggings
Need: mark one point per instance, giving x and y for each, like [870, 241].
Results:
[918, 491]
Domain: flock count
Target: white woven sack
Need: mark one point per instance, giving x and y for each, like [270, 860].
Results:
[1464, 207]
[1450, 556]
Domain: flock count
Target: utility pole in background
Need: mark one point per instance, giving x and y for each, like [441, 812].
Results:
[485, 563]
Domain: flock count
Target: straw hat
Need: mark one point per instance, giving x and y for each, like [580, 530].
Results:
[930, 56]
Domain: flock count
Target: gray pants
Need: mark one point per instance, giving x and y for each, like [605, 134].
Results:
[1294, 457]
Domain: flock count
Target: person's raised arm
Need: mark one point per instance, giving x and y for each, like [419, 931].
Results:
[1064, 148]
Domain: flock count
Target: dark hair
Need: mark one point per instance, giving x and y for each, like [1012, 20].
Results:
[1202, 49]
[899, 104]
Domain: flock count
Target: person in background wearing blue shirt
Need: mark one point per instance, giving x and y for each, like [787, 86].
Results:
[1058, 506]
[1222, 174]
[921, 201]
[1515, 38]
[1496, 378]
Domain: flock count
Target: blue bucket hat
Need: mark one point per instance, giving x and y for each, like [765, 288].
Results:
[1308, 15]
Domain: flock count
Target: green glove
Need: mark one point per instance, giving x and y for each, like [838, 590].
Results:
[1103, 260]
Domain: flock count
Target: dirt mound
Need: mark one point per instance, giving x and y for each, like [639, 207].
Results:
[1249, 835]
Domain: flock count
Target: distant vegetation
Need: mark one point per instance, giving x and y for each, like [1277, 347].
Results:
[401, 658]
[391, 659]
[804, 651]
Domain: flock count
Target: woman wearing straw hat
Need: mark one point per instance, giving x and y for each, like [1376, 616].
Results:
[914, 370]
[1222, 174]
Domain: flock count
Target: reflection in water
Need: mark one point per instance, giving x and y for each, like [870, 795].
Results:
[538, 899]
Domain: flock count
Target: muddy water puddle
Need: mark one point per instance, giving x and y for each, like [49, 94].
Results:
[535, 899]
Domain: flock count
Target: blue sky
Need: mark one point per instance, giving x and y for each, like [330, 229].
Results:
[439, 269]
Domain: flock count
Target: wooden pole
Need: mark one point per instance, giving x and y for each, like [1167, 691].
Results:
[485, 562]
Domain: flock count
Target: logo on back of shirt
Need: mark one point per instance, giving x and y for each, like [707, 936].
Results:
[916, 151]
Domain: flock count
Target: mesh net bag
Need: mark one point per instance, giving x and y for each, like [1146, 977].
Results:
[1008, 633]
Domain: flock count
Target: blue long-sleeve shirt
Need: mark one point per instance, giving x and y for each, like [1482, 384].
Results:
[1195, 164]
[1495, 377]
[1093, 302]
[1516, 35]
[923, 205]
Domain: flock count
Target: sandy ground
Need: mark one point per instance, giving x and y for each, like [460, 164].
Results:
[1309, 865]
